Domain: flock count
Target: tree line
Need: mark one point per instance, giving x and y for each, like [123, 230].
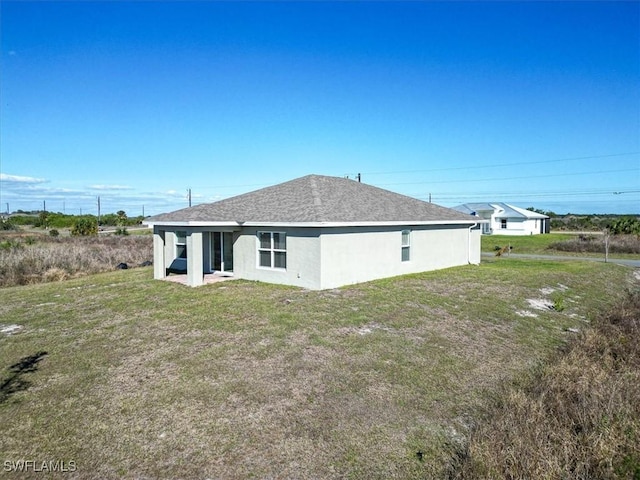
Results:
[80, 225]
[614, 224]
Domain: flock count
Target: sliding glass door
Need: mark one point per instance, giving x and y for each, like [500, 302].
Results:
[222, 251]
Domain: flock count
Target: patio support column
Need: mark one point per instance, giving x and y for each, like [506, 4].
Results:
[195, 273]
[159, 267]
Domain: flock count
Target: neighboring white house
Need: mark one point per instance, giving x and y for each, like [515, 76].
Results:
[315, 232]
[506, 219]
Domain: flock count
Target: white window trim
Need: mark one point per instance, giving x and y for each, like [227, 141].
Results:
[406, 247]
[271, 249]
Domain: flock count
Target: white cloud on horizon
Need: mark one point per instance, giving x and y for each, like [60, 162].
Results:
[21, 179]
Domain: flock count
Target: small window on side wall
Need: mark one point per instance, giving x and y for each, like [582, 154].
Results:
[406, 245]
[503, 223]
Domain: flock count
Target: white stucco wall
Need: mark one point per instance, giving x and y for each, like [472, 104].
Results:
[516, 226]
[321, 258]
[354, 255]
[303, 258]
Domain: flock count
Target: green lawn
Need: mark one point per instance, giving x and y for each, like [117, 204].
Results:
[526, 243]
[149, 379]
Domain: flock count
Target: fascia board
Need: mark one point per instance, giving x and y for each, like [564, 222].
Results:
[472, 221]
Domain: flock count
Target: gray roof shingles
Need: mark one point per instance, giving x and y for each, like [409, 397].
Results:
[316, 199]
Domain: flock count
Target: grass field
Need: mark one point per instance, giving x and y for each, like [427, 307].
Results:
[133, 378]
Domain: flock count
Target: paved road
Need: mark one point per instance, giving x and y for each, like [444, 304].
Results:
[617, 261]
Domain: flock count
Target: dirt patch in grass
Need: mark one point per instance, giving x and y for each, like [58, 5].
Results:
[10, 329]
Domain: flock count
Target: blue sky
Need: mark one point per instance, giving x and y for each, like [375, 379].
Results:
[533, 103]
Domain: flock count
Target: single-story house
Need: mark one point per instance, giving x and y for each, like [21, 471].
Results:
[504, 219]
[315, 232]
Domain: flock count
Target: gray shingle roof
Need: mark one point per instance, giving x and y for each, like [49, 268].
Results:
[316, 199]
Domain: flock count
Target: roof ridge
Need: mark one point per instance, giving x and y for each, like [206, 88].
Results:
[317, 199]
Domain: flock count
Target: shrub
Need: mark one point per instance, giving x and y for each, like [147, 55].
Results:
[84, 227]
[122, 231]
[625, 225]
[6, 224]
[54, 233]
[55, 274]
[10, 245]
[42, 221]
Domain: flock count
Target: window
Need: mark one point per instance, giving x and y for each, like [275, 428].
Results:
[503, 223]
[406, 245]
[181, 244]
[272, 249]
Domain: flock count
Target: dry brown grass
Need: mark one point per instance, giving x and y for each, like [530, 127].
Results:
[577, 418]
[34, 259]
[595, 244]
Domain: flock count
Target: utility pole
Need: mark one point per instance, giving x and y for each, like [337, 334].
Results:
[44, 205]
[142, 211]
[7, 208]
[358, 177]
[429, 198]
[189, 196]
[98, 210]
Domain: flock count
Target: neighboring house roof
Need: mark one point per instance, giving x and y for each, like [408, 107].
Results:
[315, 199]
[502, 210]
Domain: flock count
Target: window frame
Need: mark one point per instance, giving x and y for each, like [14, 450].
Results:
[272, 250]
[503, 224]
[405, 247]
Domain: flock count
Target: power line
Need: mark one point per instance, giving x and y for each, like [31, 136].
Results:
[498, 165]
[531, 194]
[512, 178]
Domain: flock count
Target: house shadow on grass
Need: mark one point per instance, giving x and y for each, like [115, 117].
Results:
[16, 381]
